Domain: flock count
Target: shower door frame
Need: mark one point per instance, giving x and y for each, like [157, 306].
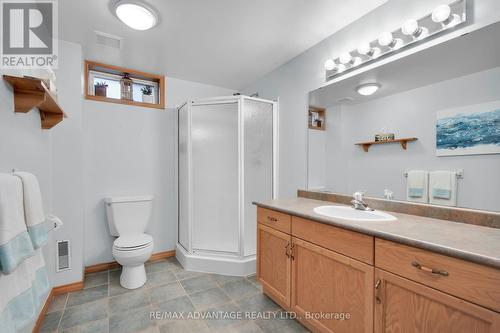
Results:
[241, 172]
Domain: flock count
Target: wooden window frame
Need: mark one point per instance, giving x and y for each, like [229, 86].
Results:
[160, 79]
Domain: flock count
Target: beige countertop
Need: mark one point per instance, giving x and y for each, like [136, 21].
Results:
[460, 240]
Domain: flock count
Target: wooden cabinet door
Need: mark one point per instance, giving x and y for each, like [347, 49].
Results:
[405, 306]
[274, 264]
[331, 292]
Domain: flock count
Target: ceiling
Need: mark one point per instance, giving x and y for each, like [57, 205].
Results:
[229, 43]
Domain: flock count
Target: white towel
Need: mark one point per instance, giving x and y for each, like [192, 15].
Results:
[417, 186]
[23, 294]
[443, 188]
[15, 243]
[33, 209]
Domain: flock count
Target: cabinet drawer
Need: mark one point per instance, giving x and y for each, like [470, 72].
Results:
[349, 243]
[475, 283]
[274, 219]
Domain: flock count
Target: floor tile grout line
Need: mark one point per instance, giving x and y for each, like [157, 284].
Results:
[108, 317]
[62, 313]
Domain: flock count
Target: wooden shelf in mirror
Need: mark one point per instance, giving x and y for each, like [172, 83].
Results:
[403, 142]
[31, 93]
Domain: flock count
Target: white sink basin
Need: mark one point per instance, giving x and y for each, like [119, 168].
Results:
[351, 214]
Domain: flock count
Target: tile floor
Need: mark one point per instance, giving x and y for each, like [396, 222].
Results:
[104, 306]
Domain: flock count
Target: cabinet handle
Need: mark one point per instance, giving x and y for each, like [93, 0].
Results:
[286, 250]
[272, 219]
[428, 269]
[291, 251]
[377, 291]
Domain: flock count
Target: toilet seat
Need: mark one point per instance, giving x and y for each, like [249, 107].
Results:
[132, 242]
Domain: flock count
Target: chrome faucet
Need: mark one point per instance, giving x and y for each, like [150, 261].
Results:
[358, 203]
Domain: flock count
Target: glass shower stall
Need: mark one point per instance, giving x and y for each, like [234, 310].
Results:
[227, 148]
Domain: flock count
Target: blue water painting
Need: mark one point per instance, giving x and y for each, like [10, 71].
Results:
[473, 133]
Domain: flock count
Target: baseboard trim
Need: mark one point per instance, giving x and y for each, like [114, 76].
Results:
[101, 267]
[75, 286]
[113, 264]
[66, 288]
[43, 312]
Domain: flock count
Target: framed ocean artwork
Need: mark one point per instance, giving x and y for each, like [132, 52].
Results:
[469, 130]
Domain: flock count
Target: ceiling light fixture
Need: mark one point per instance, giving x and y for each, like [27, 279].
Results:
[136, 15]
[368, 89]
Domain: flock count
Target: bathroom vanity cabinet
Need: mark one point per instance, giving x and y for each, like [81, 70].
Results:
[339, 281]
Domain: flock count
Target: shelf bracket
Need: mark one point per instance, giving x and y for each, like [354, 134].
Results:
[24, 101]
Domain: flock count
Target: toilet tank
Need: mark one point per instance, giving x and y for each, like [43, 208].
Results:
[128, 214]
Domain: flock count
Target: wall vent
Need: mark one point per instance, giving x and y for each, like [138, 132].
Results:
[63, 255]
[109, 40]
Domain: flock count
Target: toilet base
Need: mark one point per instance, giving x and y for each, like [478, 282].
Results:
[133, 277]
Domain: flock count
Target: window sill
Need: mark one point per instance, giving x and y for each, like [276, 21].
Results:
[125, 102]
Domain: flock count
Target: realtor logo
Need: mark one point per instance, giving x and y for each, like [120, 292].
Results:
[28, 34]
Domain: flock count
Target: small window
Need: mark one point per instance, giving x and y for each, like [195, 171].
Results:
[114, 84]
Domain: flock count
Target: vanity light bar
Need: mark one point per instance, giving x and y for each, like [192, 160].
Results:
[413, 31]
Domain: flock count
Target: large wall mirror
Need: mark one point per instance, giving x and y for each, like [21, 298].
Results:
[443, 101]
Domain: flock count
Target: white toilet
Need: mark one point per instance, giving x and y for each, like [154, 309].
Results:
[128, 218]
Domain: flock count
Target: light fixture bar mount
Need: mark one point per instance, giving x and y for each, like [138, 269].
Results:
[441, 19]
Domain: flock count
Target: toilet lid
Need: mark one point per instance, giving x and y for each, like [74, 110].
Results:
[132, 241]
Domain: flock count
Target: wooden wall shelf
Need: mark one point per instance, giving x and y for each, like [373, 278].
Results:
[403, 142]
[30, 93]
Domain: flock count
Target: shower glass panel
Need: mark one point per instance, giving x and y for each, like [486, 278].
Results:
[258, 164]
[183, 186]
[214, 142]
[226, 161]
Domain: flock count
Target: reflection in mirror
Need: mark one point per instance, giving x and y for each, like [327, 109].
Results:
[421, 128]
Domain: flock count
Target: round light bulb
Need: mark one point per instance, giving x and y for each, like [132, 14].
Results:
[441, 13]
[364, 48]
[345, 58]
[410, 27]
[385, 39]
[329, 64]
[368, 89]
[136, 15]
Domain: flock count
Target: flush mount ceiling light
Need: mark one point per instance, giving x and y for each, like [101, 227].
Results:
[368, 89]
[136, 14]
[441, 19]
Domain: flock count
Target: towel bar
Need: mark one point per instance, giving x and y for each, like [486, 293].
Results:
[459, 173]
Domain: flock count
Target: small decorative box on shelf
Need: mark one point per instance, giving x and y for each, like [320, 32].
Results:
[403, 142]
